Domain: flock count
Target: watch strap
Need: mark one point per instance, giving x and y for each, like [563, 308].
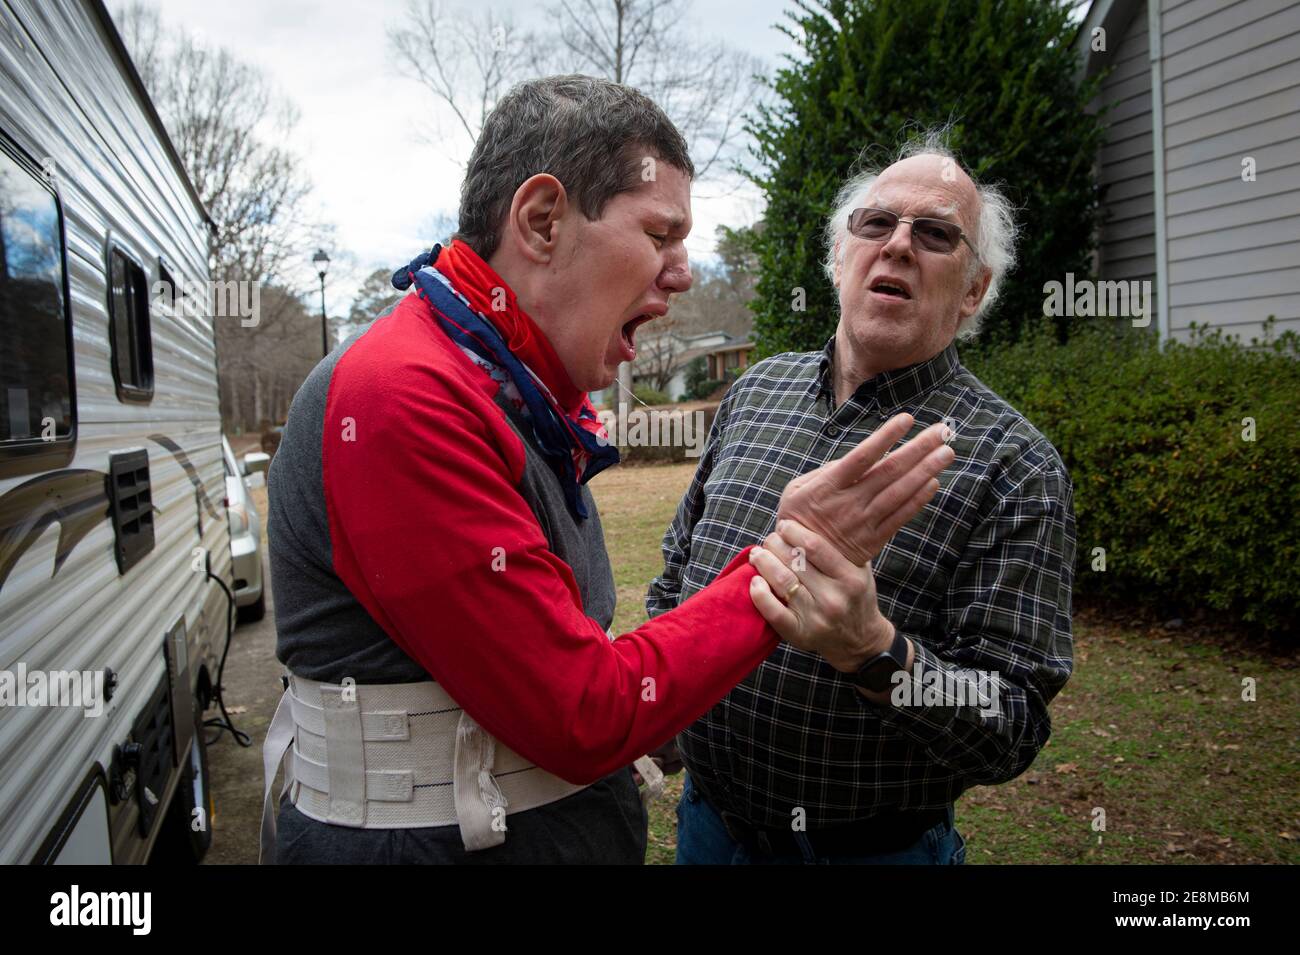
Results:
[877, 673]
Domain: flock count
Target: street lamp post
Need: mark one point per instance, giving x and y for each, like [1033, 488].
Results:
[322, 262]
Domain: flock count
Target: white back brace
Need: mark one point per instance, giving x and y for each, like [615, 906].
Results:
[400, 756]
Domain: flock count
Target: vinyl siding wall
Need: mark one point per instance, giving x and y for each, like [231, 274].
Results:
[1128, 239]
[1232, 90]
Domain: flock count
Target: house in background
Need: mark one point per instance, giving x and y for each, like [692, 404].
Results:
[731, 355]
[1202, 158]
[669, 357]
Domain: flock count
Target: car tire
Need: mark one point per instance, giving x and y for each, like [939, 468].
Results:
[178, 842]
[254, 611]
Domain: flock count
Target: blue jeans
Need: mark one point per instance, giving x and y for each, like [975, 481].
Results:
[702, 839]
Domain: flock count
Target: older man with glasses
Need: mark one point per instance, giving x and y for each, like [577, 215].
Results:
[860, 760]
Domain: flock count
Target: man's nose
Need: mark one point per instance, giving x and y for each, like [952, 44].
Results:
[899, 244]
[676, 277]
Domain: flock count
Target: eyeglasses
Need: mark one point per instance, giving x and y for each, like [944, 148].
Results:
[936, 235]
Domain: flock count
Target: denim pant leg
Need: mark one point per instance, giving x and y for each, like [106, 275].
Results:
[702, 839]
[940, 845]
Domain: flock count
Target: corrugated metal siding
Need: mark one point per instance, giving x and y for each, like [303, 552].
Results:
[1232, 89]
[63, 95]
[1128, 243]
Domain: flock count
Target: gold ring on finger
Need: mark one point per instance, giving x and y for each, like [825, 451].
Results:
[793, 590]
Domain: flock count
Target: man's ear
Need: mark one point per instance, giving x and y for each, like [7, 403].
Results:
[838, 257]
[532, 226]
[975, 292]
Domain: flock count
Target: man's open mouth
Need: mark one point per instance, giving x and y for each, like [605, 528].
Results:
[892, 288]
[629, 333]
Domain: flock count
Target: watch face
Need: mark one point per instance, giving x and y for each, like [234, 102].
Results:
[876, 674]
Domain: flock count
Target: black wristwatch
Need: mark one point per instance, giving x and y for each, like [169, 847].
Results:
[878, 672]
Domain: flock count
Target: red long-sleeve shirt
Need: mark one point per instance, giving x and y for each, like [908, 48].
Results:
[421, 477]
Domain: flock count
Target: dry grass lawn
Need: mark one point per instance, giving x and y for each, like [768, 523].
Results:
[1152, 729]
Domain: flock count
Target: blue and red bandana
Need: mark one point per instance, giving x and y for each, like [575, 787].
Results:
[480, 313]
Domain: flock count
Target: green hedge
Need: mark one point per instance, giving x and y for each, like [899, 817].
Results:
[670, 450]
[1189, 512]
[649, 395]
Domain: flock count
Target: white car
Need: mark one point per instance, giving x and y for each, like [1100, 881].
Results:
[245, 530]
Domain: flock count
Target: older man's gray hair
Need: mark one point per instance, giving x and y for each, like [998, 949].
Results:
[994, 239]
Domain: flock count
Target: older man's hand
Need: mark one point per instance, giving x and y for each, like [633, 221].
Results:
[858, 502]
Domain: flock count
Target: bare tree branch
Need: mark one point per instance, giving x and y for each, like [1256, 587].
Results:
[225, 120]
[467, 61]
[705, 88]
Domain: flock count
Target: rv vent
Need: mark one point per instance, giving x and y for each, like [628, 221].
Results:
[176, 650]
[152, 736]
[131, 506]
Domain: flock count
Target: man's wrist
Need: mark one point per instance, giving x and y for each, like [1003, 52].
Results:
[906, 660]
[880, 639]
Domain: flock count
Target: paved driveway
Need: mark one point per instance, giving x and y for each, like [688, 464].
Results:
[252, 682]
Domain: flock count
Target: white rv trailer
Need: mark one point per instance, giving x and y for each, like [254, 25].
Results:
[111, 474]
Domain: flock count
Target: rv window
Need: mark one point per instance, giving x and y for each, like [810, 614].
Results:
[128, 310]
[169, 290]
[37, 410]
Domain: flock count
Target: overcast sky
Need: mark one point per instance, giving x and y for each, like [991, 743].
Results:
[375, 179]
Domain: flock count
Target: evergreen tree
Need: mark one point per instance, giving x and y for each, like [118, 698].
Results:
[1001, 74]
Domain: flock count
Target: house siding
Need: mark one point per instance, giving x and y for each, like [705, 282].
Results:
[1232, 90]
[1128, 237]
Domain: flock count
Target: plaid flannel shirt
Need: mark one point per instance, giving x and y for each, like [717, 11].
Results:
[979, 581]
